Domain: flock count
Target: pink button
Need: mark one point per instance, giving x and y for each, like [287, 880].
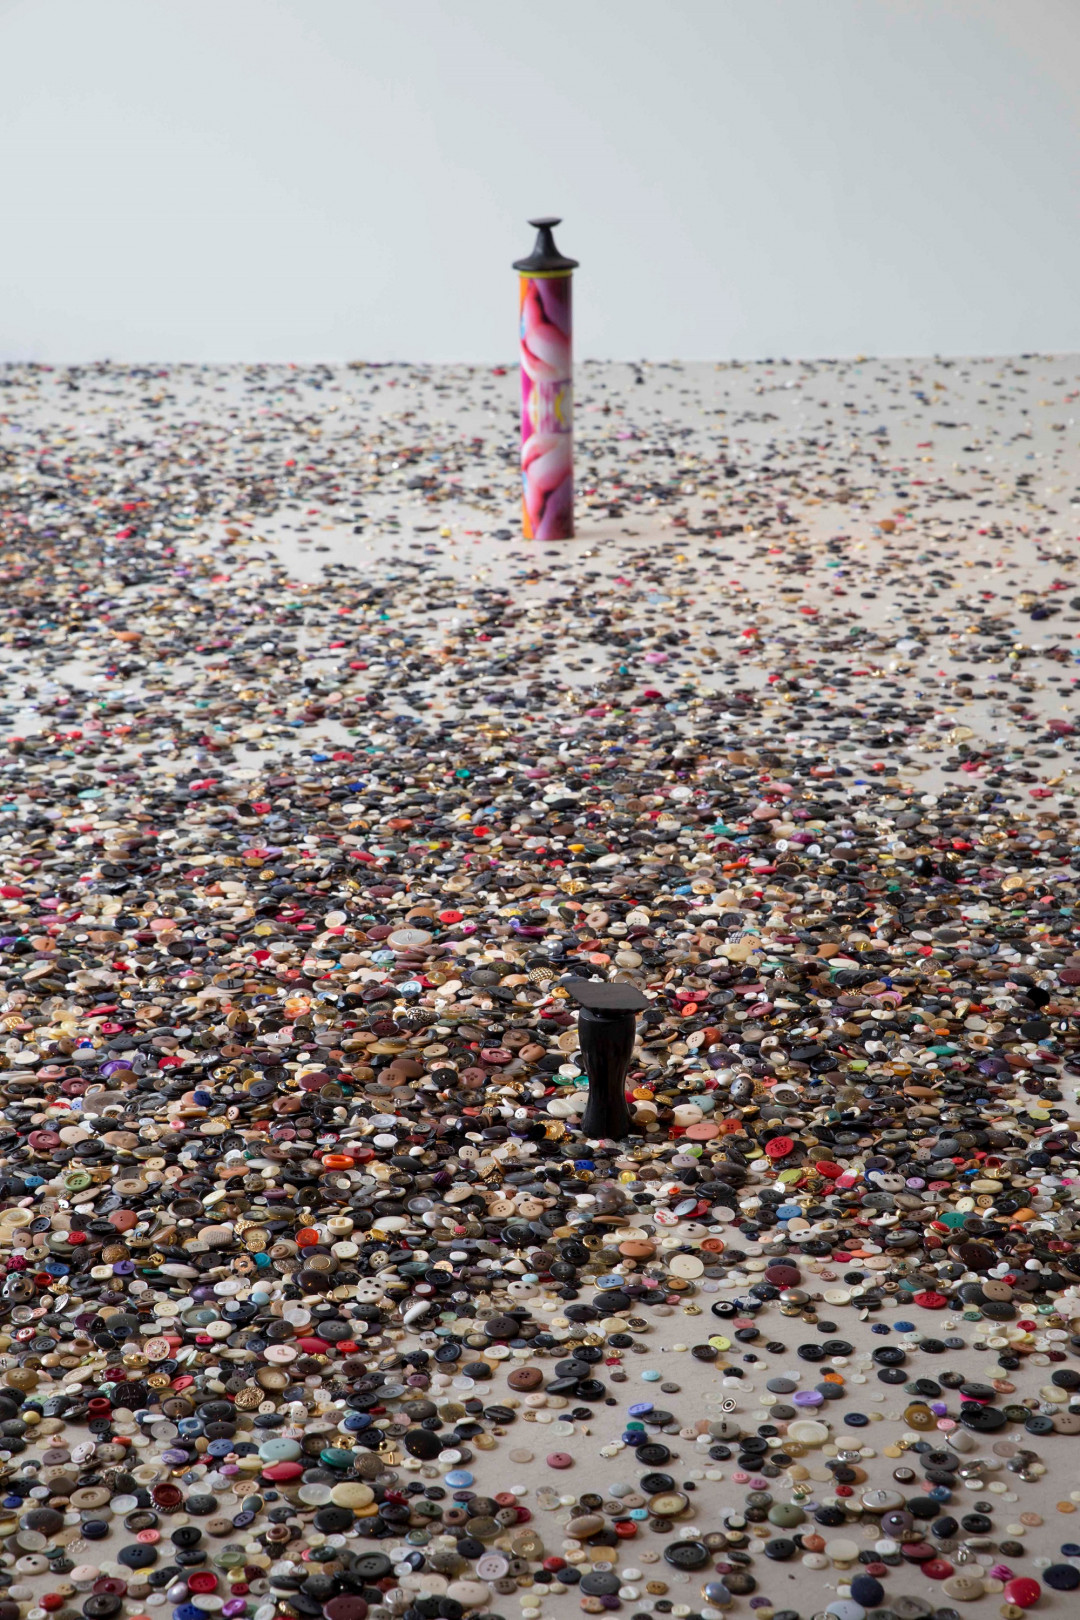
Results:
[560, 1459]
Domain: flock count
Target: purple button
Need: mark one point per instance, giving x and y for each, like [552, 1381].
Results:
[233, 1606]
[807, 1397]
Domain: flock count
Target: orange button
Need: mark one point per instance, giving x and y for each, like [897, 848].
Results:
[702, 1131]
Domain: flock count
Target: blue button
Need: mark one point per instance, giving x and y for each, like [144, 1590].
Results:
[904, 1327]
[219, 1448]
[640, 1409]
[459, 1478]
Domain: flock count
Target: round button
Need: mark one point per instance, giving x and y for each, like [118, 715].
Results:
[1023, 1591]
[963, 1588]
[688, 1555]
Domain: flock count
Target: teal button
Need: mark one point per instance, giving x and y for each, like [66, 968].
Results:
[279, 1450]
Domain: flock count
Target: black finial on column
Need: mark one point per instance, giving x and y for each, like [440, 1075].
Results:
[606, 1028]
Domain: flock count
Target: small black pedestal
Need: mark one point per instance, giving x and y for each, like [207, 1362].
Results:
[606, 1027]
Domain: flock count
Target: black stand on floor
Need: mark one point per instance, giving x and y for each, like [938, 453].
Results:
[606, 1028]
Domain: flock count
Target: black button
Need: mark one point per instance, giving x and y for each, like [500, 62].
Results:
[102, 1605]
[423, 1444]
[600, 1584]
[688, 1555]
[333, 1521]
[781, 1549]
[376, 1566]
[985, 1419]
[137, 1556]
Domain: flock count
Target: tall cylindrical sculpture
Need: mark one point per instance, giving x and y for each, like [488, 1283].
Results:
[547, 388]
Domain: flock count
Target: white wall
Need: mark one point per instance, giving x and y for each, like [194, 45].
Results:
[298, 179]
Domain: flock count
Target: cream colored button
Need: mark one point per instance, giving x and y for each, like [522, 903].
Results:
[352, 1494]
[808, 1433]
[279, 1352]
[964, 1588]
[157, 1349]
[685, 1265]
[473, 1594]
[842, 1552]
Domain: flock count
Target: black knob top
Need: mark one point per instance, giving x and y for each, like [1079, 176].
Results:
[545, 256]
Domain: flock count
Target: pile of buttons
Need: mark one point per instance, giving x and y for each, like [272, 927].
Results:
[316, 1302]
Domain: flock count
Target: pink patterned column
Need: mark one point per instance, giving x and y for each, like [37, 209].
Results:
[547, 389]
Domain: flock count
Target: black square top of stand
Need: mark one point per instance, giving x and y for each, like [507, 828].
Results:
[600, 996]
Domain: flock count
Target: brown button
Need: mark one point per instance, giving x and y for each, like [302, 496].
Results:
[348, 1606]
[525, 1378]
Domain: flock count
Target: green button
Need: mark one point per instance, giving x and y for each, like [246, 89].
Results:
[337, 1457]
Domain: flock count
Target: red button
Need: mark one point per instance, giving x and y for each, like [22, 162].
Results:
[930, 1301]
[1024, 1592]
[281, 1471]
[826, 1167]
[779, 1147]
[202, 1581]
[938, 1569]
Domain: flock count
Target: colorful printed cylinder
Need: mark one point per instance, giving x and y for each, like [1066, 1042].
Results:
[547, 389]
